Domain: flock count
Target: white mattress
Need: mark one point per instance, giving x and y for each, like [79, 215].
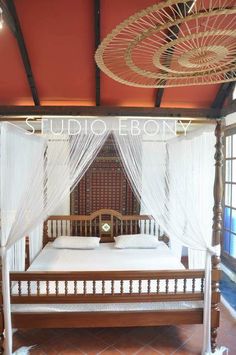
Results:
[106, 307]
[106, 258]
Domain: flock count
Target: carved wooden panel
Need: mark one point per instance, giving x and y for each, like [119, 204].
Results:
[105, 185]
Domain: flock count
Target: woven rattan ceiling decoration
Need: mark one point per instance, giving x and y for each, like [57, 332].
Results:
[173, 43]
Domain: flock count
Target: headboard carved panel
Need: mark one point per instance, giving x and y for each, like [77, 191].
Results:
[105, 223]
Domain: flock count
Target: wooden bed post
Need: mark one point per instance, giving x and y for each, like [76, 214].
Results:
[45, 233]
[1, 321]
[216, 231]
[1, 331]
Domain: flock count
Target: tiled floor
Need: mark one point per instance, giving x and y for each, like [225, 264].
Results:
[185, 340]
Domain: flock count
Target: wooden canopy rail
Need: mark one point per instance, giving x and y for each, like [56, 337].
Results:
[82, 287]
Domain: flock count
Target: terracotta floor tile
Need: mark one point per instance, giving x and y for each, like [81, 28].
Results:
[166, 343]
[110, 351]
[57, 345]
[148, 350]
[183, 351]
[37, 352]
[112, 335]
[72, 351]
[91, 345]
[77, 336]
[193, 345]
[145, 335]
[128, 344]
[49, 351]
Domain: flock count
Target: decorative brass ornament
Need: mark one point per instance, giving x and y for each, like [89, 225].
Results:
[173, 43]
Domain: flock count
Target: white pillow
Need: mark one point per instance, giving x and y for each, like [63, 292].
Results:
[65, 242]
[136, 241]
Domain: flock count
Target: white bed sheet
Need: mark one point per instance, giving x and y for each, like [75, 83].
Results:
[106, 307]
[106, 258]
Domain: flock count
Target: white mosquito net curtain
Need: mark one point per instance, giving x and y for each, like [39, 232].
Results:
[173, 179]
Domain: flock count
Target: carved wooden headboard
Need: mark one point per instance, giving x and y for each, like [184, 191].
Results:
[104, 223]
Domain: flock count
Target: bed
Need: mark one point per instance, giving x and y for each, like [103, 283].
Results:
[107, 258]
[106, 287]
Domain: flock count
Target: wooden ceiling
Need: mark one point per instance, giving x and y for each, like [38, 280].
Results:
[47, 59]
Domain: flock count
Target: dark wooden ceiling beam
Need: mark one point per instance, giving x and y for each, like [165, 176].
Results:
[108, 111]
[223, 93]
[11, 18]
[159, 95]
[97, 42]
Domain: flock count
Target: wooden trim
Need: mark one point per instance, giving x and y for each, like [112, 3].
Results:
[106, 319]
[109, 111]
[108, 275]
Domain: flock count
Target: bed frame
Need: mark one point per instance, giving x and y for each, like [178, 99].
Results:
[107, 224]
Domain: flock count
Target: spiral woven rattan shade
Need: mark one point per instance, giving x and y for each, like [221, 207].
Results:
[173, 43]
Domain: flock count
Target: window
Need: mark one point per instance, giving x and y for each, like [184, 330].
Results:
[229, 225]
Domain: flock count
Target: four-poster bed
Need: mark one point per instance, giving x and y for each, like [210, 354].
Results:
[172, 44]
[125, 286]
[175, 286]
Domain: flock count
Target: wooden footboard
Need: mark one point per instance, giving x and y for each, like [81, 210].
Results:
[107, 286]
